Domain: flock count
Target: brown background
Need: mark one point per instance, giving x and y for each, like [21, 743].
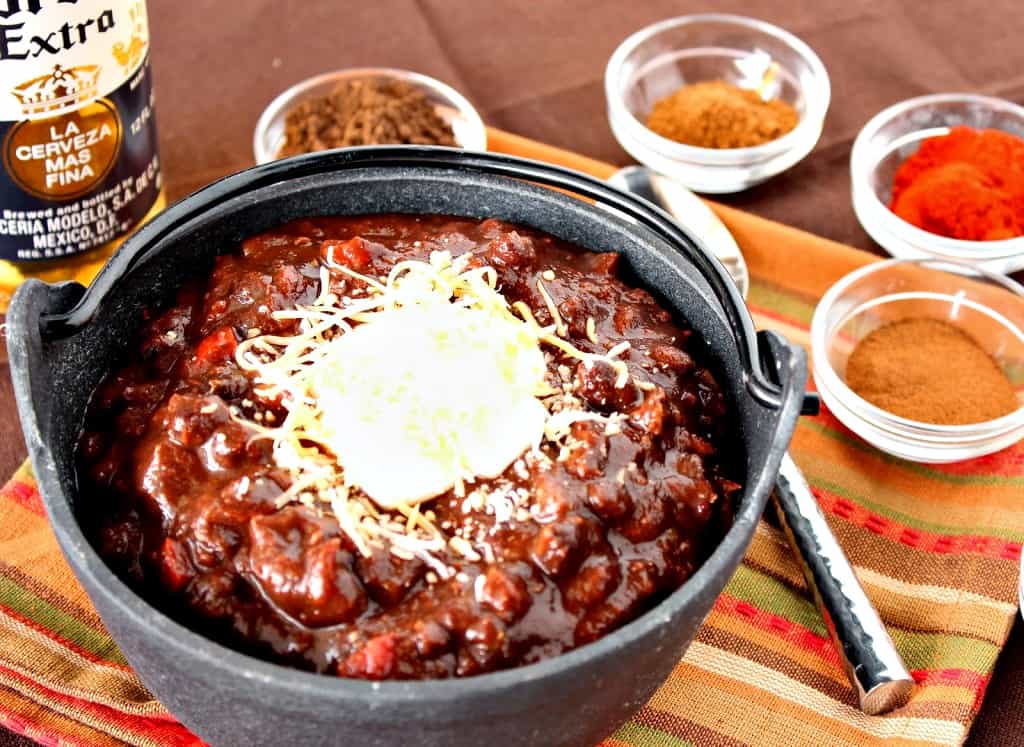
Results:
[536, 68]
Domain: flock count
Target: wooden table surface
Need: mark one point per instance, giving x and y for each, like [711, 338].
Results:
[537, 69]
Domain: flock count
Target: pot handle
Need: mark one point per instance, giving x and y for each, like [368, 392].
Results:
[31, 366]
[782, 364]
[137, 248]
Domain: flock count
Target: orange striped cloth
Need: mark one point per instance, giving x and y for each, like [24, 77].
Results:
[936, 548]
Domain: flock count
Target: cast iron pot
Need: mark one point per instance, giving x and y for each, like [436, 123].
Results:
[63, 339]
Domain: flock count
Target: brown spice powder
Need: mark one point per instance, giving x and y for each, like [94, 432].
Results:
[372, 111]
[930, 371]
[716, 114]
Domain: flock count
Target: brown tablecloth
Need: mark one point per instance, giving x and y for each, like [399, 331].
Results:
[537, 68]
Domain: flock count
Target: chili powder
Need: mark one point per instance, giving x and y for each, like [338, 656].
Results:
[930, 371]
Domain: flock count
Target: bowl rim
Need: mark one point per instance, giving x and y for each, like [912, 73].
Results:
[274, 109]
[190, 644]
[942, 246]
[809, 126]
[883, 419]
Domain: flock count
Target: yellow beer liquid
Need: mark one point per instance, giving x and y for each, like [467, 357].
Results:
[80, 267]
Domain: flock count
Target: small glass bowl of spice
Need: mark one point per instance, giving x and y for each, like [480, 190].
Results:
[718, 102]
[943, 176]
[366, 106]
[924, 358]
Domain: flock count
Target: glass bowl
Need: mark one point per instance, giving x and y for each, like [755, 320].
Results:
[987, 306]
[657, 60]
[892, 136]
[450, 105]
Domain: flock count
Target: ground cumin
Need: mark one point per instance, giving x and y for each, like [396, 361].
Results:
[372, 111]
[716, 114]
[930, 371]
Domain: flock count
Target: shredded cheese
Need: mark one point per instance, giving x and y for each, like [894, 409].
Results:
[419, 383]
[560, 327]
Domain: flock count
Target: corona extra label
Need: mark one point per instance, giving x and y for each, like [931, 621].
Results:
[78, 137]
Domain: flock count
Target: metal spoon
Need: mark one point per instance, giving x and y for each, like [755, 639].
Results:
[876, 671]
[690, 211]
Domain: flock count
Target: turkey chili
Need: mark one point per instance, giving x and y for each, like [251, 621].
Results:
[400, 447]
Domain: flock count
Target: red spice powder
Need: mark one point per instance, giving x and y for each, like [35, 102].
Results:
[968, 184]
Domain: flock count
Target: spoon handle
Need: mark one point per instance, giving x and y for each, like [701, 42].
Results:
[876, 671]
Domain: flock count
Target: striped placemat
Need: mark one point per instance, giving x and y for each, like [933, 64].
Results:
[936, 547]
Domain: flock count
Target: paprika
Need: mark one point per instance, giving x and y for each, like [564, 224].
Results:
[967, 184]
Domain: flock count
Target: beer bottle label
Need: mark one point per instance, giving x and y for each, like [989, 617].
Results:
[77, 130]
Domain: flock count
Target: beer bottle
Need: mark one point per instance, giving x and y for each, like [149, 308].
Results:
[80, 165]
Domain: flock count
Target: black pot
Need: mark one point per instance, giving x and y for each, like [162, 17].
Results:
[62, 340]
